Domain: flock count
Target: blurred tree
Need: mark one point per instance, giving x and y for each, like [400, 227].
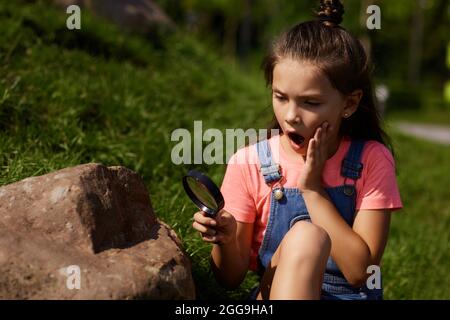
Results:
[244, 29]
[447, 83]
[416, 39]
[437, 16]
[239, 26]
[365, 38]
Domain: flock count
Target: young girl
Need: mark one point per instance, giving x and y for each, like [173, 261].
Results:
[309, 209]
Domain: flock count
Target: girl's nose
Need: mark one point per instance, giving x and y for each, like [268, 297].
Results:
[292, 117]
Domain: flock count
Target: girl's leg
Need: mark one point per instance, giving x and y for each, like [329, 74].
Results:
[297, 267]
[266, 281]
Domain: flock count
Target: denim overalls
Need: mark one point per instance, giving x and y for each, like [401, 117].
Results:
[287, 207]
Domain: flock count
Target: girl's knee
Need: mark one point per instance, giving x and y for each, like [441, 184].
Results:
[306, 240]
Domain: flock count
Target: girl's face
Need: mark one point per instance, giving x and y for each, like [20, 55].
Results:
[303, 99]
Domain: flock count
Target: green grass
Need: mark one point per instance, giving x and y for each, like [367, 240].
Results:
[429, 116]
[416, 260]
[99, 95]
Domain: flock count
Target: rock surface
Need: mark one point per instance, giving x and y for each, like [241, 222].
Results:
[98, 219]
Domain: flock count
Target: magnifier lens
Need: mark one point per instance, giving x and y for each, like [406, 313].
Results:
[202, 193]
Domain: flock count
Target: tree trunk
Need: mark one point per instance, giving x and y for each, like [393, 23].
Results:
[245, 33]
[416, 43]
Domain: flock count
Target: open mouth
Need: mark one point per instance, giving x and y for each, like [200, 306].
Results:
[296, 138]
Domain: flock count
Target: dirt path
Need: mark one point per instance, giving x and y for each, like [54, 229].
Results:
[435, 133]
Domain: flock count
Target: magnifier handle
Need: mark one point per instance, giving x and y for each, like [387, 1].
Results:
[211, 214]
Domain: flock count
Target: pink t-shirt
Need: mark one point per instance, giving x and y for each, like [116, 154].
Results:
[247, 196]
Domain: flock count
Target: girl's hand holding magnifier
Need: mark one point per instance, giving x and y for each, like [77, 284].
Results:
[220, 230]
[215, 224]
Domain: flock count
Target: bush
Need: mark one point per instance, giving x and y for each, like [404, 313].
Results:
[403, 97]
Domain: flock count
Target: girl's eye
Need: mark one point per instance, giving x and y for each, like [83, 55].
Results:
[311, 103]
[280, 98]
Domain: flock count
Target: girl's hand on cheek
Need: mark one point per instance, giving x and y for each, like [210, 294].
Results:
[316, 156]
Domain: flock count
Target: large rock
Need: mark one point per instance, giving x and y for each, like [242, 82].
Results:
[143, 16]
[97, 218]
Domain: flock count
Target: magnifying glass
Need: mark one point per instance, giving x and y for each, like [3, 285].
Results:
[203, 192]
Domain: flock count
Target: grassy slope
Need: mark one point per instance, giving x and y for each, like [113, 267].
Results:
[416, 261]
[98, 95]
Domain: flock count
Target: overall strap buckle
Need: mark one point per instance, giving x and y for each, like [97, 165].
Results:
[352, 167]
[270, 170]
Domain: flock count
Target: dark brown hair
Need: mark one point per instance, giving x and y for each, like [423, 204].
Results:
[341, 57]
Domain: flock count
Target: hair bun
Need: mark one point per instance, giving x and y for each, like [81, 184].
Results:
[330, 12]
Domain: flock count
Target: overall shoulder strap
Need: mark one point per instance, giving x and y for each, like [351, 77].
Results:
[269, 169]
[351, 165]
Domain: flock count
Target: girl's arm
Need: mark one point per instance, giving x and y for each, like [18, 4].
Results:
[355, 249]
[230, 261]
[230, 254]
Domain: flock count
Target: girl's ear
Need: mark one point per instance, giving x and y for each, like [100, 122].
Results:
[352, 103]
